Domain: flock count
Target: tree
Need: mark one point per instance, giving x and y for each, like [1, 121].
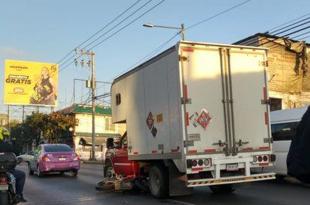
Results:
[52, 128]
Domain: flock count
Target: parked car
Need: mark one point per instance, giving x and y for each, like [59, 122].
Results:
[54, 158]
[283, 128]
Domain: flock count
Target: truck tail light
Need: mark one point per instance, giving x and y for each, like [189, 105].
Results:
[199, 163]
[207, 162]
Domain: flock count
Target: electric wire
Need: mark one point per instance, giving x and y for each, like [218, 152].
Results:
[275, 29]
[113, 34]
[131, 22]
[127, 17]
[218, 14]
[104, 27]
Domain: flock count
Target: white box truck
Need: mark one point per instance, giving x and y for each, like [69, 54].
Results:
[197, 114]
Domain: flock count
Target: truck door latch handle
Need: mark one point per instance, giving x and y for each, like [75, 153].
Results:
[241, 143]
[220, 143]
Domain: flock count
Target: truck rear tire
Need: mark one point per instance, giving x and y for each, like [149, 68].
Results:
[222, 189]
[158, 181]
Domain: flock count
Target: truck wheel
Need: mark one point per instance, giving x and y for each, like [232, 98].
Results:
[158, 181]
[222, 189]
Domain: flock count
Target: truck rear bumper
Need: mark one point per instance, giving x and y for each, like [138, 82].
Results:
[230, 180]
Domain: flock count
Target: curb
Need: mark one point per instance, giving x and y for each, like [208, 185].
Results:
[91, 162]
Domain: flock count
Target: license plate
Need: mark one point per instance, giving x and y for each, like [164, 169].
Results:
[232, 167]
[62, 159]
[4, 187]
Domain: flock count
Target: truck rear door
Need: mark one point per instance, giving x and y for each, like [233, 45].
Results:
[249, 94]
[202, 96]
[224, 95]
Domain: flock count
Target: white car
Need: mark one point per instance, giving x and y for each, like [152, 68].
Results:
[27, 157]
[283, 127]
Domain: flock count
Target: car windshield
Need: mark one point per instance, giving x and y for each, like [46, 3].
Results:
[57, 148]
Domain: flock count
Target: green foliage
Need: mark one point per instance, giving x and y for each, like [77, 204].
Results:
[52, 128]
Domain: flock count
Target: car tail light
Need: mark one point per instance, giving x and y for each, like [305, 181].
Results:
[3, 181]
[194, 163]
[76, 157]
[45, 158]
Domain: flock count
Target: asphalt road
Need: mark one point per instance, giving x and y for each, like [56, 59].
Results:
[67, 190]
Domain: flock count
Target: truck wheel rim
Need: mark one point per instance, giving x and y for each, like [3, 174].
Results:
[155, 182]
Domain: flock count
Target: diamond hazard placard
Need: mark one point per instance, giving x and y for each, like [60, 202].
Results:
[204, 119]
[150, 121]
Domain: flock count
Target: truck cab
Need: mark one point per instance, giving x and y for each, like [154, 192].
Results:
[117, 162]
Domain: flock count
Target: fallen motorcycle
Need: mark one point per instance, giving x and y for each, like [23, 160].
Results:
[7, 180]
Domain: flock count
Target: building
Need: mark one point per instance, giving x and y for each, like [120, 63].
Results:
[82, 132]
[288, 69]
[3, 120]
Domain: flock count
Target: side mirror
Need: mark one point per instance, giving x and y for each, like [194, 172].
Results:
[110, 143]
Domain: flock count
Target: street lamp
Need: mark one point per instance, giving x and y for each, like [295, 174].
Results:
[181, 29]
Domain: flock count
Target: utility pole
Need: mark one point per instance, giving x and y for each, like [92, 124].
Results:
[92, 85]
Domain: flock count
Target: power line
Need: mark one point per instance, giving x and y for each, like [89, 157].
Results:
[122, 28]
[285, 28]
[218, 14]
[288, 22]
[303, 23]
[131, 22]
[105, 26]
[127, 17]
[155, 50]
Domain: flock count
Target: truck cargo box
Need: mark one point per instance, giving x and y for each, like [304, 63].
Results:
[195, 98]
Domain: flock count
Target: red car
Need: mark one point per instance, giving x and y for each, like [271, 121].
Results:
[54, 158]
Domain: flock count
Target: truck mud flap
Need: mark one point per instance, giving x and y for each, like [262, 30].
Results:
[231, 180]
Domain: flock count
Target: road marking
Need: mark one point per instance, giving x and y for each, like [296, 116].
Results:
[178, 202]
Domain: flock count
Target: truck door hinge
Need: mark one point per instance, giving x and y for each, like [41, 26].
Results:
[188, 143]
[186, 100]
[265, 102]
[182, 58]
[268, 140]
[264, 63]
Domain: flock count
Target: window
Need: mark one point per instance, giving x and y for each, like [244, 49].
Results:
[57, 148]
[284, 131]
[118, 99]
[275, 104]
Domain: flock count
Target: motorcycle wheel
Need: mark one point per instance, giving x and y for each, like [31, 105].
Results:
[4, 198]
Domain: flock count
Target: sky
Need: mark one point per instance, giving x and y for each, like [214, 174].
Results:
[46, 30]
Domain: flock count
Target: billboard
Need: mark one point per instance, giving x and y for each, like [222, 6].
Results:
[30, 83]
